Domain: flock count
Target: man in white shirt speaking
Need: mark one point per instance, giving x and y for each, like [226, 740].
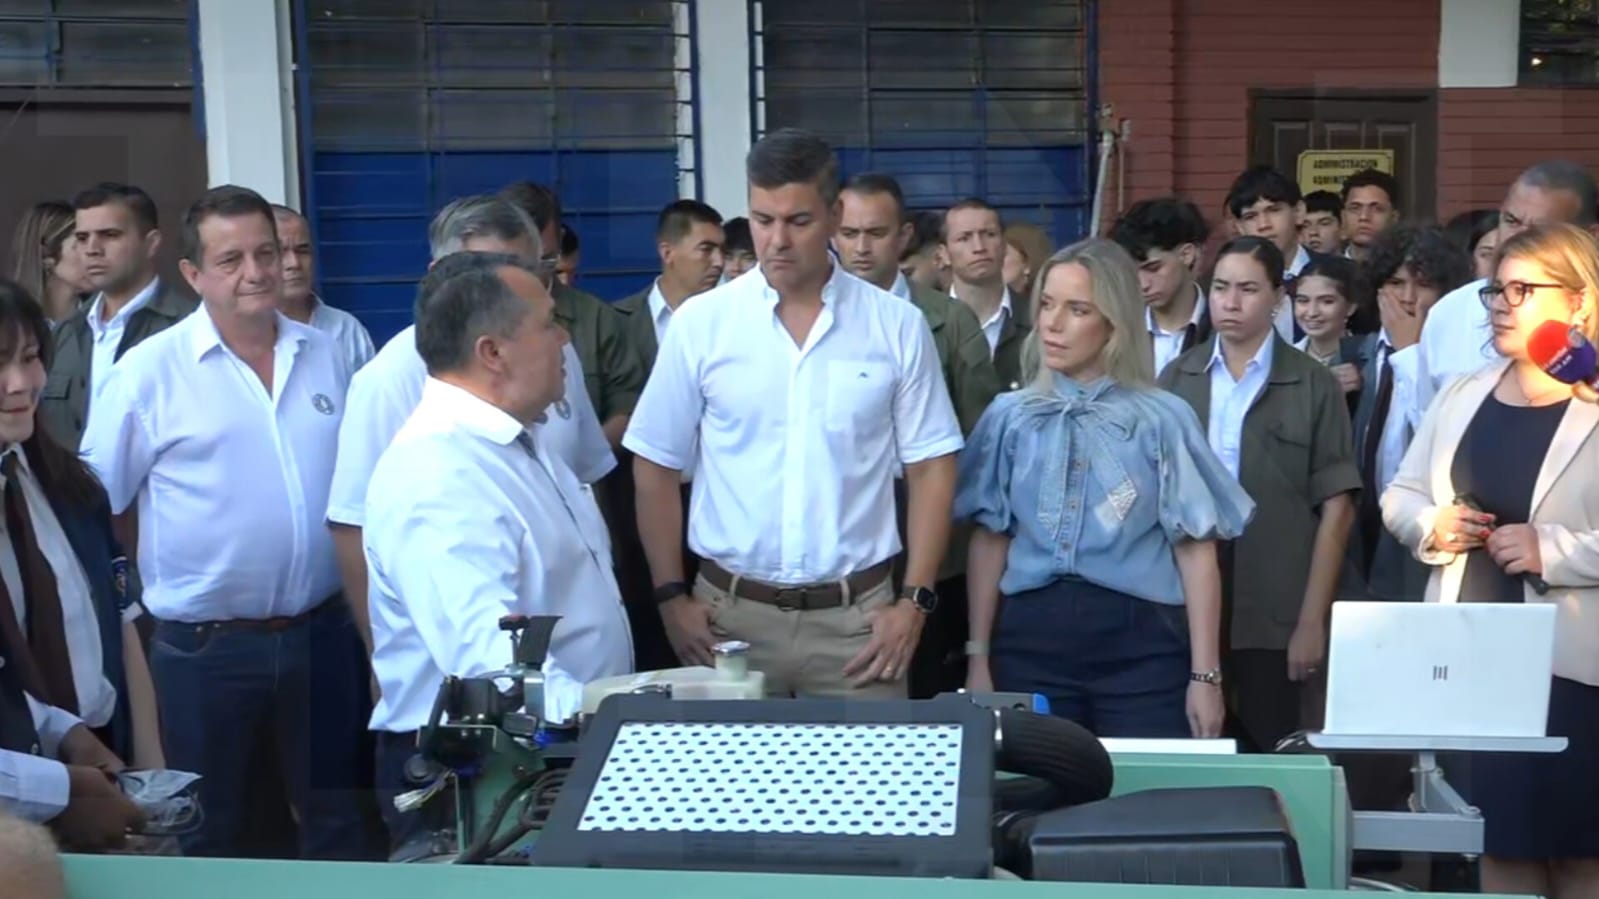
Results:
[793, 393]
[385, 391]
[222, 430]
[471, 517]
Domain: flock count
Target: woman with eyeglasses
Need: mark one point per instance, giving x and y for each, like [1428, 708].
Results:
[1498, 484]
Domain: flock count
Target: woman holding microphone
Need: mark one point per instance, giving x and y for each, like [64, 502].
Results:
[1092, 575]
[1498, 484]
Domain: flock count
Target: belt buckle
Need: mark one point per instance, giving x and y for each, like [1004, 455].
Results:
[786, 605]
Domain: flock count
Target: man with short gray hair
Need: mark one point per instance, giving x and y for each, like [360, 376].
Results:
[385, 392]
[470, 517]
[1454, 337]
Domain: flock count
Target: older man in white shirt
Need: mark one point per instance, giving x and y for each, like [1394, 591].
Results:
[1456, 338]
[385, 392]
[221, 430]
[299, 300]
[805, 387]
[471, 517]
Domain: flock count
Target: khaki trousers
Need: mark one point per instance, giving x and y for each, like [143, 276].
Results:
[803, 653]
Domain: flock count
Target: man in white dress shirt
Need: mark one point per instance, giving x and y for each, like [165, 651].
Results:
[385, 392]
[300, 301]
[793, 393]
[471, 517]
[1456, 338]
[221, 430]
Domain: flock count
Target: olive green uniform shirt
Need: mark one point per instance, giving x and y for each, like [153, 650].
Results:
[612, 370]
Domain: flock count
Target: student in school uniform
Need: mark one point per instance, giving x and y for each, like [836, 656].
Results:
[1166, 237]
[1277, 420]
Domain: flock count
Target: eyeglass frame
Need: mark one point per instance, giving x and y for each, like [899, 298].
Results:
[1524, 288]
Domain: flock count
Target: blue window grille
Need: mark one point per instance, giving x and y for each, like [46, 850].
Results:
[955, 98]
[95, 44]
[406, 105]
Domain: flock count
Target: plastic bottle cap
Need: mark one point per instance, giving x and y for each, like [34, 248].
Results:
[731, 648]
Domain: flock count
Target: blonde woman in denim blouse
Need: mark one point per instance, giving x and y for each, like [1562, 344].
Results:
[1098, 502]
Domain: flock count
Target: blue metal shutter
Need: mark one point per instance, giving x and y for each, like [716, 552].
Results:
[95, 44]
[408, 104]
[955, 98]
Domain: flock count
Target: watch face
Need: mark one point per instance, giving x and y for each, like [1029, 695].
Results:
[925, 599]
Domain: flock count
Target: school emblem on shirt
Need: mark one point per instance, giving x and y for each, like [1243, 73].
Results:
[322, 404]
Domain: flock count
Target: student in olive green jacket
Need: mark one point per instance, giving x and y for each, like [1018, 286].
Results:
[612, 370]
[689, 239]
[871, 238]
[1277, 419]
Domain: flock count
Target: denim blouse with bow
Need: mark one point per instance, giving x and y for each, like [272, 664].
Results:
[1096, 481]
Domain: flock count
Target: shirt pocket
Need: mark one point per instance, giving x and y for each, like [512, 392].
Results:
[860, 396]
[1288, 443]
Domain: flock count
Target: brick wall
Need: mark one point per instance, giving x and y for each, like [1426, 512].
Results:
[1181, 71]
[1487, 136]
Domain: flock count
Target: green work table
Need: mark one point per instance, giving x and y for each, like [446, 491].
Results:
[1312, 791]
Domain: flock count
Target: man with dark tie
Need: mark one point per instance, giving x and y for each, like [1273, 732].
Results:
[1166, 237]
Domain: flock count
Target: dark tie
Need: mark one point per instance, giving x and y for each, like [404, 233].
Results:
[45, 649]
[1190, 331]
[1370, 502]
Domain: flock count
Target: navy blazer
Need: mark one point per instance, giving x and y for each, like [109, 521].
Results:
[88, 530]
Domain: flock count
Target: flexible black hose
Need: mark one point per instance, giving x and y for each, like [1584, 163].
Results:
[1061, 753]
[1066, 766]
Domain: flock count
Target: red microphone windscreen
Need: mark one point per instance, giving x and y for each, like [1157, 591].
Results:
[1548, 340]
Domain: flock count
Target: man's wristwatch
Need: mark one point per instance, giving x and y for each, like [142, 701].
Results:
[923, 598]
[1212, 677]
[669, 591]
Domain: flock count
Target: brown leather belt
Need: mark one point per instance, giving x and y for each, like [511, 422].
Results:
[807, 598]
[266, 625]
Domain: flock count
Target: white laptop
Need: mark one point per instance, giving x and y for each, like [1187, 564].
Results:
[1439, 669]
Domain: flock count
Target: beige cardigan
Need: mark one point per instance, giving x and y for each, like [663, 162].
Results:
[1565, 513]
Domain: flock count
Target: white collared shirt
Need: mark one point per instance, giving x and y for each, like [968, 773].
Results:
[996, 322]
[231, 480]
[498, 526]
[346, 331]
[1285, 310]
[385, 393]
[1168, 345]
[1230, 400]
[107, 335]
[797, 446]
[1456, 340]
[36, 787]
[97, 698]
[660, 311]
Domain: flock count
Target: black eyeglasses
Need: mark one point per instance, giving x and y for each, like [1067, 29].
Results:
[1515, 292]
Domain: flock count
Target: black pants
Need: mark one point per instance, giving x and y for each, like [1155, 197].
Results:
[939, 664]
[1263, 705]
[305, 687]
[651, 650]
[394, 752]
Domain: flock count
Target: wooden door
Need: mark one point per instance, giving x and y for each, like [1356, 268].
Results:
[1283, 124]
[56, 143]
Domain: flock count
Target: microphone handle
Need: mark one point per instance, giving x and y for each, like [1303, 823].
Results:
[1538, 584]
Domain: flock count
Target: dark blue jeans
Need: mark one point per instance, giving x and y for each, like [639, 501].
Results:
[1116, 664]
[223, 687]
